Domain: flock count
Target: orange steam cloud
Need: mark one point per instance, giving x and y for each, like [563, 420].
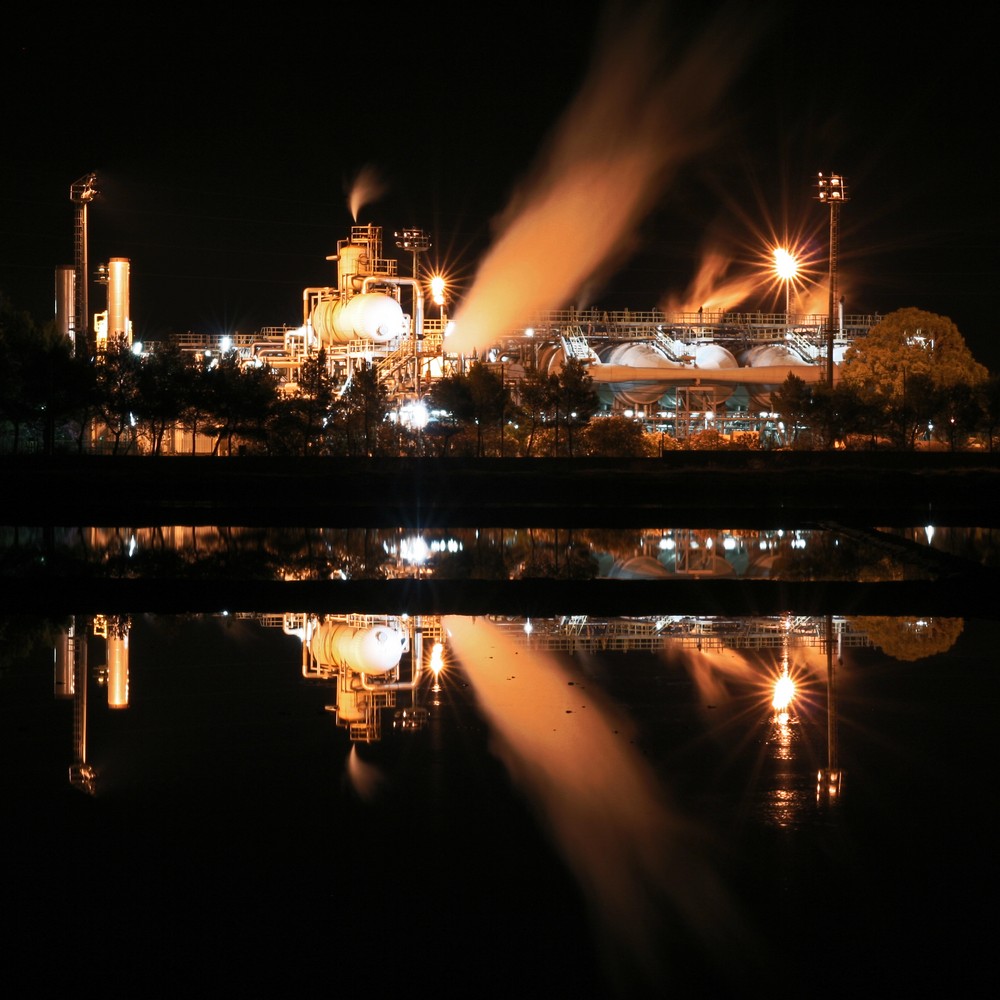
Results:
[633, 124]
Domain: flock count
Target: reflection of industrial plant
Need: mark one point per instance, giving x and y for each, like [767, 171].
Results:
[315, 553]
[379, 664]
[362, 656]
[704, 369]
[71, 680]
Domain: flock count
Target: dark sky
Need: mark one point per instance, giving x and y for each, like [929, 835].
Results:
[225, 153]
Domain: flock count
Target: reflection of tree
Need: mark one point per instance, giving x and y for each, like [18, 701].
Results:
[20, 635]
[556, 555]
[911, 638]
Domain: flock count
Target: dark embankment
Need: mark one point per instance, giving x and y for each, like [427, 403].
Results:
[779, 489]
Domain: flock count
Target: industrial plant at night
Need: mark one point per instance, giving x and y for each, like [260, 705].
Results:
[680, 373]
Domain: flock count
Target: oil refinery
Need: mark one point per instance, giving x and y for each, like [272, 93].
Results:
[679, 373]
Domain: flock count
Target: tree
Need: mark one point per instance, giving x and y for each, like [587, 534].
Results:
[118, 392]
[364, 406]
[490, 399]
[577, 399]
[911, 351]
[793, 402]
[238, 401]
[300, 421]
[617, 436]
[163, 378]
[911, 342]
[452, 397]
[537, 394]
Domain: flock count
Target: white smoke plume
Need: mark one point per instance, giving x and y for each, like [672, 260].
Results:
[636, 120]
[368, 186]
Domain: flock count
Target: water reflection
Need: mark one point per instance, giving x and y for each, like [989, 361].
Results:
[830, 553]
[646, 749]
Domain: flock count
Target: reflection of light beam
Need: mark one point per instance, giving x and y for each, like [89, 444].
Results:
[632, 125]
[600, 800]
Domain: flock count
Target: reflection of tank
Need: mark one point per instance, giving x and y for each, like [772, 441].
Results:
[637, 568]
[371, 316]
[374, 650]
[64, 661]
[118, 669]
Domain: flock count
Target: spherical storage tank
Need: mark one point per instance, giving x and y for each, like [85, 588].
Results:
[371, 316]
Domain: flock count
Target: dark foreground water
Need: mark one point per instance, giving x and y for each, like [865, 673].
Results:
[585, 825]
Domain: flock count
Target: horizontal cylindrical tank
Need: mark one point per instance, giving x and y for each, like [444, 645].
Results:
[768, 356]
[637, 355]
[371, 316]
[375, 650]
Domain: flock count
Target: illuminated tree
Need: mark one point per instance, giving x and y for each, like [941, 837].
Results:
[911, 342]
[905, 358]
[617, 436]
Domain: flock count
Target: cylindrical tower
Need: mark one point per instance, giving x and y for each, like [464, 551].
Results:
[65, 305]
[117, 668]
[119, 324]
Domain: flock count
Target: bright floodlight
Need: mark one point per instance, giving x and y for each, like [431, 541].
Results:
[437, 290]
[785, 265]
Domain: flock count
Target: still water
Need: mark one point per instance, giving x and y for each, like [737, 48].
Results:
[565, 806]
[831, 552]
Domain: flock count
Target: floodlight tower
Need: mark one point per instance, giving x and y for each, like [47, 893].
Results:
[832, 191]
[414, 240]
[417, 242]
[81, 192]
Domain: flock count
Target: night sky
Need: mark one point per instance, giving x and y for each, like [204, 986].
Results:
[225, 154]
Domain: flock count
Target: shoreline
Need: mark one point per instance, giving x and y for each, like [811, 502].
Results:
[783, 489]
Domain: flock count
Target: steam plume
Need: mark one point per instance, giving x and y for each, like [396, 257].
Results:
[635, 121]
[368, 187]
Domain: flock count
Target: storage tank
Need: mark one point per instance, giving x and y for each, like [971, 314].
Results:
[119, 324]
[371, 316]
[769, 356]
[64, 662]
[644, 390]
[374, 650]
[66, 301]
[117, 670]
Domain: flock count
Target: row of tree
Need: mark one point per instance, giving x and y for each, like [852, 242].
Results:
[912, 377]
